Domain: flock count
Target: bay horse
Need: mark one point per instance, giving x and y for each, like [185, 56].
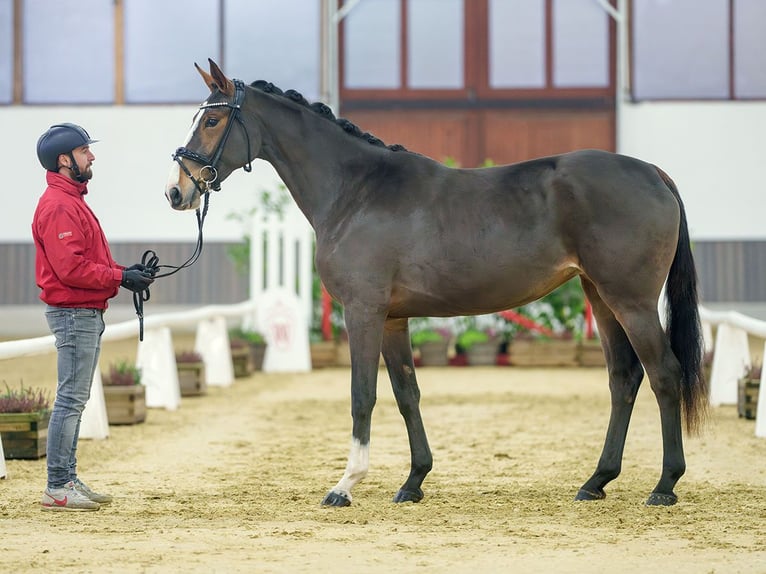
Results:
[399, 235]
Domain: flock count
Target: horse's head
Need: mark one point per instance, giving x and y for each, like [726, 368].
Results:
[215, 147]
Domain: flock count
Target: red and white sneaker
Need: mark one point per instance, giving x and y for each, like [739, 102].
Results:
[67, 498]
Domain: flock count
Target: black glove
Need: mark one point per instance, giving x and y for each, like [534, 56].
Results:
[136, 280]
[136, 267]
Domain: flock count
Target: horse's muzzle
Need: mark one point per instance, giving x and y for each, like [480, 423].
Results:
[175, 197]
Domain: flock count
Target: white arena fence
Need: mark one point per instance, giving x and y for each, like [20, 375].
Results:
[156, 355]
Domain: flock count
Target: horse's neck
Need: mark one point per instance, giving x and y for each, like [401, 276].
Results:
[308, 152]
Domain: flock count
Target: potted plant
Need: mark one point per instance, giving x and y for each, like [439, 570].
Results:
[191, 373]
[256, 343]
[747, 391]
[24, 416]
[431, 341]
[478, 339]
[124, 395]
[241, 358]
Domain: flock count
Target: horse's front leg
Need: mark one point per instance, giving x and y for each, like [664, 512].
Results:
[364, 334]
[397, 352]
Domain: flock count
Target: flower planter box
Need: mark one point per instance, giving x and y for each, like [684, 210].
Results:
[747, 397]
[590, 354]
[543, 353]
[191, 379]
[24, 435]
[323, 354]
[241, 361]
[125, 404]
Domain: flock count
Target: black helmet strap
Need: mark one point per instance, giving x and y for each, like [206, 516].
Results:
[76, 169]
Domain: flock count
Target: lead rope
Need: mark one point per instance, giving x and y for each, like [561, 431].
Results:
[151, 261]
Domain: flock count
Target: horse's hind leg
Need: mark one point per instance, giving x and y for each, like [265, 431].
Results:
[664, 372]
[625, 375]
[641, 323]
[397, 353]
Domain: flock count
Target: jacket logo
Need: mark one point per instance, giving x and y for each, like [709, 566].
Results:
[65, 234]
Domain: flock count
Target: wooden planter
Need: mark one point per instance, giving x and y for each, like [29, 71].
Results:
[24, 435]
[543, 353]
[434, 354]
[257, 352]
[590, 354]
[241, 361]
[125, 404]
[191, 379]
[747, 397]
[323, 354]
[482, 354]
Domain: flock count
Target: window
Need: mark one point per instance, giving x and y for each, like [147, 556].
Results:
[719, 55]
[6, 51]
[274, 40]
[68, 53]
[476, 50]
[143, 51]
[162, 42]
[749, 44]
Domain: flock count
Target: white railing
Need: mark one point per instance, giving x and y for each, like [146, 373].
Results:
[117, 331]
[155, 357]
[731, 357]
[731, 351]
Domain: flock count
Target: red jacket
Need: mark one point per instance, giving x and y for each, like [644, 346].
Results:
[73, 263]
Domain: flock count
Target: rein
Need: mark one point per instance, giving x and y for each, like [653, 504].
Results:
[204, 186]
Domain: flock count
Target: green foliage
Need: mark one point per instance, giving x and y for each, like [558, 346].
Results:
[468, 338]
[562, 310]
[248, 335]
[429, 330]
[24, 400]
[123, 373]
[426, 336]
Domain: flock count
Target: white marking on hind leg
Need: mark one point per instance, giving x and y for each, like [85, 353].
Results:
[356, 469]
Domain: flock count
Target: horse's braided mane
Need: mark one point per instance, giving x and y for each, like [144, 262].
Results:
[325, 112]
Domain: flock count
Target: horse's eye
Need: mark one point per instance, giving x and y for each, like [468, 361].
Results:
[211, 122]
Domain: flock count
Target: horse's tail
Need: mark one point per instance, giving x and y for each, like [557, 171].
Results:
[683, 322]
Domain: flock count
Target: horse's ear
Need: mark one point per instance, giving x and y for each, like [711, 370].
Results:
[224, 84]
[209, 82]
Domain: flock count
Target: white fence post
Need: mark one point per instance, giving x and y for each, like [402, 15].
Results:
[212, 343]
[156, 358]
[95, 423]
[731, 357]
[760, 412]
[3, 470]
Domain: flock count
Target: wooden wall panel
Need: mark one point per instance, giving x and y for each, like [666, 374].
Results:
[504, 136]
[437, 135]
[517, 135]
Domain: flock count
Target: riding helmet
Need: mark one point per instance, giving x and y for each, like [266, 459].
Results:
[60, 138]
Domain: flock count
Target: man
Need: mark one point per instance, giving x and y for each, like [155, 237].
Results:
[77, 276]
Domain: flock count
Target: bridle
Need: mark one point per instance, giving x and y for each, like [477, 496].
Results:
[204, 186]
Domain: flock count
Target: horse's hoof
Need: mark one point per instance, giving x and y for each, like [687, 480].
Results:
[408, 495]
[583, 494]
[659, 499]
[336, 499]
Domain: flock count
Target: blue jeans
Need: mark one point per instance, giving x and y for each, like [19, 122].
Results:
[78, 344]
